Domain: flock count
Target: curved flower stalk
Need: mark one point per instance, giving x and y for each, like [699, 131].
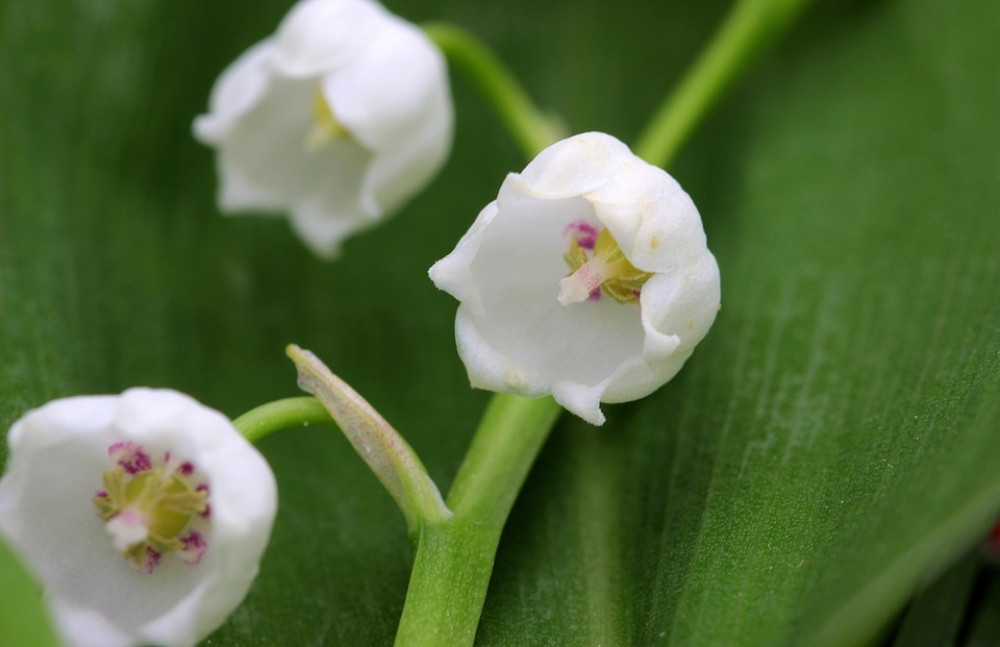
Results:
[144, 515]
[588, 278]
[338, 118]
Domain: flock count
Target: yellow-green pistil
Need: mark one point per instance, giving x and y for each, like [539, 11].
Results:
[147, 513]
[325, 126]
[607, 270]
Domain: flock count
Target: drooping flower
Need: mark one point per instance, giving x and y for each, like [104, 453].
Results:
[587, 279]
[143, 515]
[337, 119]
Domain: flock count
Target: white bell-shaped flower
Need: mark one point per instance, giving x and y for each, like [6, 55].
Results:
[587, 279]
[337, 119]
[143, 515]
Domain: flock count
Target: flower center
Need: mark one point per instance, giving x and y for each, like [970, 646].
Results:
[148, 507]
[604, 270]
[325, 126]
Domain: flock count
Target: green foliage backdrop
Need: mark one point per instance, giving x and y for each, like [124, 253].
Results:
[831, 445]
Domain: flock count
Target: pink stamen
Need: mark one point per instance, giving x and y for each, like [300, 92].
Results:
[194, 548]
[130, 457]
[153, 559]
[584, 233]
[208, 508]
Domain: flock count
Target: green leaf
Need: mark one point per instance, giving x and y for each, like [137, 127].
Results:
[985, 626]
[936, 615]
[23, 617]
[829, 448]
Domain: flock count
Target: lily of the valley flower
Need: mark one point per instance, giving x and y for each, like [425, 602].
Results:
[588, 278]
[338, 118]
[144, 515]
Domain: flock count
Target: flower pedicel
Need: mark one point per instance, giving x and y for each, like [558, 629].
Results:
[338, 118]
[588, 278]
[143, 515]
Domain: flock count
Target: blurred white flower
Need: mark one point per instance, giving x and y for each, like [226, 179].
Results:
[338, 118]
[588, 278]
[143, 515]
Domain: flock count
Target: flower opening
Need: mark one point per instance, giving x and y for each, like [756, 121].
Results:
[325, 126]
[150, 512]
[608, 270]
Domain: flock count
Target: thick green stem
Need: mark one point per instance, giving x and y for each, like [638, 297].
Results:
[454, 557]
[274, 416]
[532, 129]
[749, 27]
[503, 450]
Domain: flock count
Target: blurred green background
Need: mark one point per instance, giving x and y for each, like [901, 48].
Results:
[831, 446]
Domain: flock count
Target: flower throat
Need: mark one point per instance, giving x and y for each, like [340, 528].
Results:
[605, 270]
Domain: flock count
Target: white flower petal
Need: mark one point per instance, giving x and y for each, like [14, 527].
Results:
[377, 112]
[401, 168]
[452, 273]
[651, 217]
[575, 166]
[322, 234]
[318, 36]
[57, 456]
[237, 91]
[388, 130]
[513, 333]
[582, 400]
[267, 149]
[239, 193]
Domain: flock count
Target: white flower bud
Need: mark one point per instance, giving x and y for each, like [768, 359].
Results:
[143, 515]
[587, 279]
[338, 119]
